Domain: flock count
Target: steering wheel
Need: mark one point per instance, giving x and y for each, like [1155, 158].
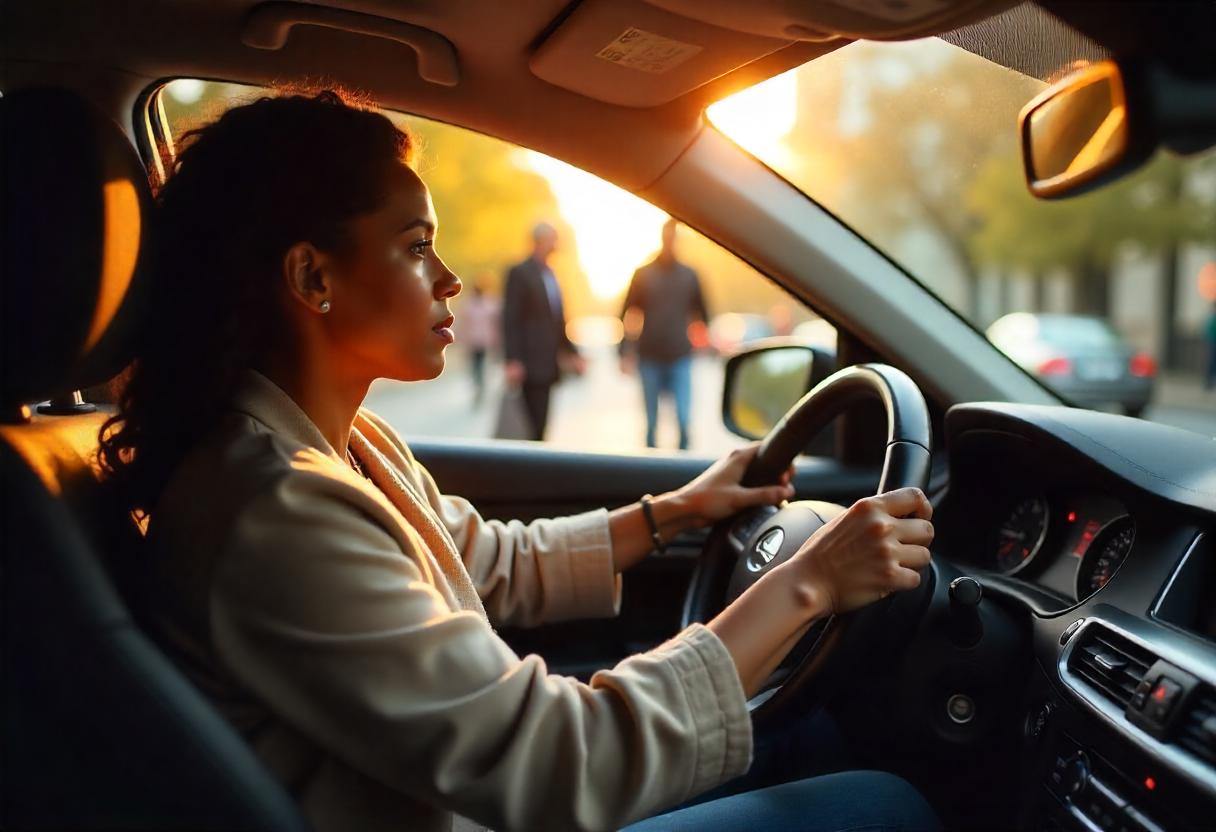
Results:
[742, 548]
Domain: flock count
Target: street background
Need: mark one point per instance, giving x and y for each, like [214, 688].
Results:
[602, 410]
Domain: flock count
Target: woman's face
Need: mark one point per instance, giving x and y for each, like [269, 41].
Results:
[390, 315]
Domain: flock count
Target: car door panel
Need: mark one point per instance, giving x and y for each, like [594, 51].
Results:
[525, 480]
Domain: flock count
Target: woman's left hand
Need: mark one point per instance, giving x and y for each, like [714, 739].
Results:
[716, 494]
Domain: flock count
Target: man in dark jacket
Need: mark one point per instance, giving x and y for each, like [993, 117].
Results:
[534, 328]
[668, 295]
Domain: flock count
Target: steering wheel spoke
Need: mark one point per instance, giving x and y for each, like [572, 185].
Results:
[745, 524]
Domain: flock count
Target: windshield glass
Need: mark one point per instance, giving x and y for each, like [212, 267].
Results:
[914, 145]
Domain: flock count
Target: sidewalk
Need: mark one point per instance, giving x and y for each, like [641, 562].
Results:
[1183, 390]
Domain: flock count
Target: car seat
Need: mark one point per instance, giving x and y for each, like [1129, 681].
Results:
[100, 730]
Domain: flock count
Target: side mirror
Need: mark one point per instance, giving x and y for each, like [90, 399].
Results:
[1105, 120]
[764, 381]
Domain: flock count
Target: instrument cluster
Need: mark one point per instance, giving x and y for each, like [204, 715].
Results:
[1072, 544]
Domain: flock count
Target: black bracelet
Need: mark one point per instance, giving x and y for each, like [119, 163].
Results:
[659, 545]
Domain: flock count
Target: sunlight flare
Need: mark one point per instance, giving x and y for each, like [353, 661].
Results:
[615, 231]
[759, 118]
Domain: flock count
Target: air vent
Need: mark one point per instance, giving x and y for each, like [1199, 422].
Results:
[1110, 663]
[1198, 730]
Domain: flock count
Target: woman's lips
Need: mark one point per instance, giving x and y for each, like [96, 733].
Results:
[444, 330]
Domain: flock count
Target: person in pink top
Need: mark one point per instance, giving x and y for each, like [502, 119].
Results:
[477, 327]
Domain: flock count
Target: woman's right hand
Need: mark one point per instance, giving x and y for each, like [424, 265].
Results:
[867, 552]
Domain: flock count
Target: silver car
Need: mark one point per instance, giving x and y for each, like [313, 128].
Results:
[1078, 356]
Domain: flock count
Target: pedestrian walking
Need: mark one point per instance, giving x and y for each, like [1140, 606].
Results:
[534, 329]
[667, 293]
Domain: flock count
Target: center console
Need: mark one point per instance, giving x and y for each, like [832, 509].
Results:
[1157, 769]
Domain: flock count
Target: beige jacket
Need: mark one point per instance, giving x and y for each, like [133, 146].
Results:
[344, 627]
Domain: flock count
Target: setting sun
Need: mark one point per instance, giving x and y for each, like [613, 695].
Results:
[760, 118]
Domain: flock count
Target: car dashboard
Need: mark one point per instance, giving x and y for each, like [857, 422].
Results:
[1098, 532]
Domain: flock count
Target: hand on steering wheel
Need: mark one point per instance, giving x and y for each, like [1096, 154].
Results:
[867, 552]
[718, 492]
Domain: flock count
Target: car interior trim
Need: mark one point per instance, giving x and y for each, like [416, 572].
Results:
[269, 25]
[1155, 611]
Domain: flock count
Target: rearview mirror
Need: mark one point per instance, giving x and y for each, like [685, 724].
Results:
[1078, 131]
[1106, 119]
[766, 379]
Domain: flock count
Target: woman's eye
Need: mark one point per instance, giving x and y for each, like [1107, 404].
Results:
[419, 248]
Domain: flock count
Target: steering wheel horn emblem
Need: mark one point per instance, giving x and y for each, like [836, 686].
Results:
[766, 549]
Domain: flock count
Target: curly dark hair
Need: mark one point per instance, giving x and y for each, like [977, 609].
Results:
[264, 176]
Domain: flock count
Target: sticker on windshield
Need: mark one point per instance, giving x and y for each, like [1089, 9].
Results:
[900, 11]
[646, 51]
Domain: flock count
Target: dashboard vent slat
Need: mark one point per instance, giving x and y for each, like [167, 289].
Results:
[1198, 733]
[1110, 664]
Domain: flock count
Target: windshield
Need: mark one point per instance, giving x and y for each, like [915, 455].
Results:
[914, 145]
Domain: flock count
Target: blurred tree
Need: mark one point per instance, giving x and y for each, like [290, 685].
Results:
[910, 126]
[487, 202]
[1159, 209]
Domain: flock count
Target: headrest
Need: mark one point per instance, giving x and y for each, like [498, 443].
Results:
[75, 242]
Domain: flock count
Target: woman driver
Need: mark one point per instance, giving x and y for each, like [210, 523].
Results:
[311, 578]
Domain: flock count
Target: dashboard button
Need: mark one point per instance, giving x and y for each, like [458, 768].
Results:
[1162, 699]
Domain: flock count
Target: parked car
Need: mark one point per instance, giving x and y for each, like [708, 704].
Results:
[1079, 356]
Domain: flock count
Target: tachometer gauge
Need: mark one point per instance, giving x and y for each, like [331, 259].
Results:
[1104, 556]
[1021, 535]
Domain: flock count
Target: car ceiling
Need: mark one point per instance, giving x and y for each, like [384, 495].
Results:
[131, 44]
[113, 50]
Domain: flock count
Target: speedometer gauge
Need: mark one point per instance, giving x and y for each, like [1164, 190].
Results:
[1104, 556]
[1021, 535]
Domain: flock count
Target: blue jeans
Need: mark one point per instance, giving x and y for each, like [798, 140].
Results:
[674, 377]
[820, 796]
[848, 801]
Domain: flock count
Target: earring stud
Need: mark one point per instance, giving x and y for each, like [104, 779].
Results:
[324, 306]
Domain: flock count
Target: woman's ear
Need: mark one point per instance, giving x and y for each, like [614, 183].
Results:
[306, 272]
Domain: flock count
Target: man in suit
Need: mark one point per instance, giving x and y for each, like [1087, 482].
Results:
[534, 328]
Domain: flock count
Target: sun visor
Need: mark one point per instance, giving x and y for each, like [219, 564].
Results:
[644, 53]
[829, 19]
[638, 55]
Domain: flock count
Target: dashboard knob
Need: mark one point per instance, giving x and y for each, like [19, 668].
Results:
[1076, 774]
[966, 591]
[966, 629]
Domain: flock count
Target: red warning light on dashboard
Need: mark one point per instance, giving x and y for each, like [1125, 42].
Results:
[1092, 527]
[1150, 783]
[1072, 517]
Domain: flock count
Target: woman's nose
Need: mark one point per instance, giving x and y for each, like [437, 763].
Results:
[448, 285]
